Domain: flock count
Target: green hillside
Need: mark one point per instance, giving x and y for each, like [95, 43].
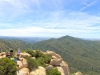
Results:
[82, 55]
[13, 44]
[24, 39]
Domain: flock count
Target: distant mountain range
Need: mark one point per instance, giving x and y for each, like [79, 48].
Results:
[83, 55]
[80, 54]
[13, 44]
[24, 39]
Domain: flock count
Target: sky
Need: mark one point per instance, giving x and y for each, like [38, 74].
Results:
[50, 18]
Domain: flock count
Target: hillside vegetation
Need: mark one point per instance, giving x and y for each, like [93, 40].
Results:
[13, 44]
[24, 39]
[81, 55]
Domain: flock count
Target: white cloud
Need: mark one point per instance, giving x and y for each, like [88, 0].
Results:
[80, 24]
[88, 5]
[42, 23]
[54, 26]
[47, 32]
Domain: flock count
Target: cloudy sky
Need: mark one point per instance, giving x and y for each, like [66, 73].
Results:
[50, 18]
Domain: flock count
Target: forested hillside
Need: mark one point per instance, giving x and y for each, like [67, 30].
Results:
[82, 55]
[24, 39]
[14, 44]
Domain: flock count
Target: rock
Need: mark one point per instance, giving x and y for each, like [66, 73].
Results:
[56, 58]
[61, 70]
[22, 63]
[55, 62]
[49, 66]
[23, 71]
[2, 55]
[24, 54]
[65, 67]
[53, 57]
[53, 54]
[78, 73]
[59, 63]
[39, 71]
[33, 58]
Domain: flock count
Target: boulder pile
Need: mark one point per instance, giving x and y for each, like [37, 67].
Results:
[55, 62]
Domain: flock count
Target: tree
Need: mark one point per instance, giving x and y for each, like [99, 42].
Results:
[7, 67]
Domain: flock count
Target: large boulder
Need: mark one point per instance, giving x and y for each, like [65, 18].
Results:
[49, 66]
[23, 71]
[60, 69]
[65, 68]
[22, 63]
[39, 71]
[2, 55]
[56, 58]
[55, 61]
[24, 54]
[53, 54]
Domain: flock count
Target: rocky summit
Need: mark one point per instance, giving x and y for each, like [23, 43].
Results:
[23, 66]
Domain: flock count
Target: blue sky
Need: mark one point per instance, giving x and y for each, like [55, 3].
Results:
[50, 18]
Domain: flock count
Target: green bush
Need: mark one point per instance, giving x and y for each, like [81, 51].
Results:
[47, 58]
[32, 64]
[31, 52]
[7, 67]
[38, 54]
[43, 60]
[52, 72]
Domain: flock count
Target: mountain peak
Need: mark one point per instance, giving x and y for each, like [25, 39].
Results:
[67, 37]
[42, 62]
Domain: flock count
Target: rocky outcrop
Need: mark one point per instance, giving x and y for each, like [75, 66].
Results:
[56, 58]
[61, 70]
[23, 71]
[53, 54]
[56, 62]
[24, 54]
[65, 67]
[22, 63]
[2, 55]
[49, 66]
[39, 71]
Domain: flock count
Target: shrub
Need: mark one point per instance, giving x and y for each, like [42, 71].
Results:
[32, 64]
[47, 58]
[32, 53]
[43, 60]
[7, 67]
[40, 61]
[38, 54]
[52, 72]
